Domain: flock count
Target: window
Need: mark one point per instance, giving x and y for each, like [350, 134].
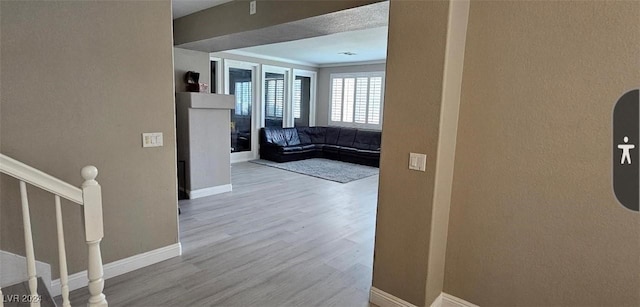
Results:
[303, 98]
[297, 97]
[243, 97]
[274, 97]
[239, 79]
[356, 100]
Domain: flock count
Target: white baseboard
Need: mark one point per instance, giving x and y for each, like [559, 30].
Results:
[447, 300]
[210, 191]
[384, 299]
[119, 267]
[240, 160]
[452, 301]
[13, 270]
[437, 302]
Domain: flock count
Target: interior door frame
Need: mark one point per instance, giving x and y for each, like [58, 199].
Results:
[312, 92]
[219, 79]
[256, 106]
[286, 112]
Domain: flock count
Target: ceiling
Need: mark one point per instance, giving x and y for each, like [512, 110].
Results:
[368, 45]
[315, 41]
[185, 7]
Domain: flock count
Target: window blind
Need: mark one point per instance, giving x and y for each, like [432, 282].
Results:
[356, 99]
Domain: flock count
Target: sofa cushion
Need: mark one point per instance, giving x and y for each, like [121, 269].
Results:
[331, 135]
[304, 135]
[311, 135]
[367, 139]
[291, 136]
[317, 134]
[347, 135]
[275, 136]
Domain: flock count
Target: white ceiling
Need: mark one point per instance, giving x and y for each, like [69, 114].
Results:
[369, 45]
[186, 7]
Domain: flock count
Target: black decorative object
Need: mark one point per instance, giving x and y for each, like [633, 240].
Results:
[191, 79]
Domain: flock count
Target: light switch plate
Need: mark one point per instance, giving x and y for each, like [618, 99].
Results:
[417, 161]
[252, 7]
[153, 139]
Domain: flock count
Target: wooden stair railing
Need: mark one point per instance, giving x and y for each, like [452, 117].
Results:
[89, 196]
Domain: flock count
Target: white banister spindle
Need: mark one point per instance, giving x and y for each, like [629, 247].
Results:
[62, 256]
[90, 198]
[96, 283]
[94, 231]
[28, 242]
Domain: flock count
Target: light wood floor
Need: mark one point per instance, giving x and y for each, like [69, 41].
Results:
[279, 239]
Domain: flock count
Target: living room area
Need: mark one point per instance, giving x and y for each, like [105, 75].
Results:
[516, 206]
[296, 225]
[333, 83]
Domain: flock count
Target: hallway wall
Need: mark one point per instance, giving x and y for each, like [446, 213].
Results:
[80, 83]
[534, 221]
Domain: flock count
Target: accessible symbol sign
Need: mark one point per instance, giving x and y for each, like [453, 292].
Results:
[626, 162]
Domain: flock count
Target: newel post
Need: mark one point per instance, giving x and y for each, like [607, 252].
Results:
[93, 228]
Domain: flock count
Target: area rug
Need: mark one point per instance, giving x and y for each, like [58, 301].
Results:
[337, 171]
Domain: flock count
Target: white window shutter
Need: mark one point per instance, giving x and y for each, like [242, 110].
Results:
[297, 97]
[336, 100]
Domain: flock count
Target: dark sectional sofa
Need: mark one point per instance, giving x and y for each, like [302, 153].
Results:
[344, 144]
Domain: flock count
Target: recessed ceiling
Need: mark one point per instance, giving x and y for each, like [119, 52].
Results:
[344, 47]
[185, 7]
[354, 35]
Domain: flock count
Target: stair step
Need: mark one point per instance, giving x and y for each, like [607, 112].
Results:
[18, 295]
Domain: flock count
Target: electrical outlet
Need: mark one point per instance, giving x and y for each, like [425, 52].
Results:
[153, 139]
[417, 162]
[252, 7]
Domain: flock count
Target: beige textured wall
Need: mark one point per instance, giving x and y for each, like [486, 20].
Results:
[324, 87]
[413, 93]
[189, 60]
[452, 82]
[80, 82]
[533, 218]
